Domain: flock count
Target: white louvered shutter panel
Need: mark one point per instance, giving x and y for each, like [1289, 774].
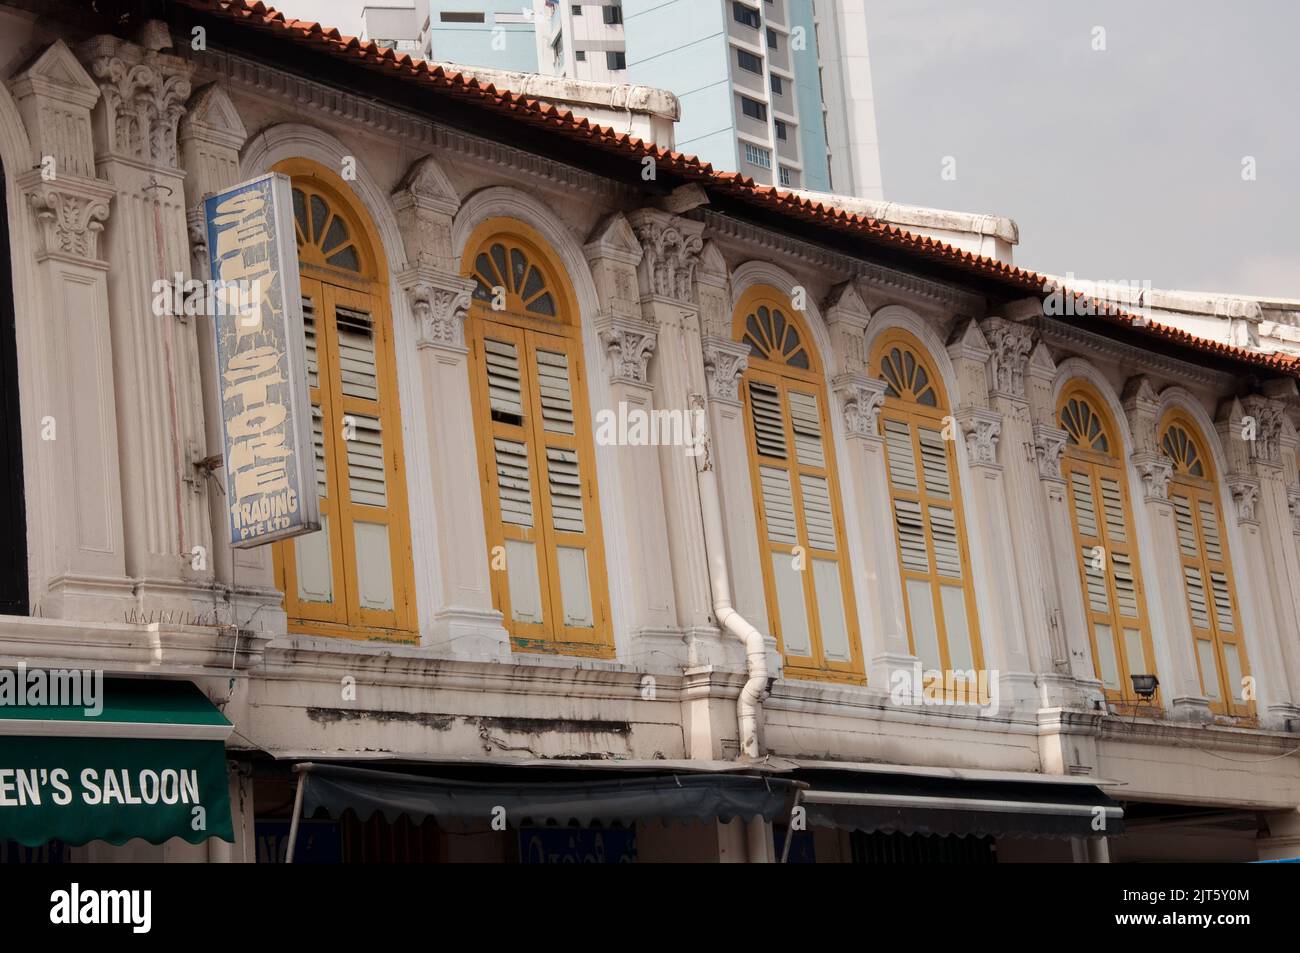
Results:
[1222, 600]
[817, 512]
[513, 486]
[504, 395]
[769, 422]
[778, 506]
[902, 462]
[357, 354]
[947, 549]
[1186, 530]
[1112, 503]
[1098, 601]
[806, 421]
[911, 536]
[309, 333]
[1085, 507]
[556, 392]
[934, 462]
[565, 484]
[318, 449]
[1125, 585]
[366, 462]
[1196, 597]
[1210, 530]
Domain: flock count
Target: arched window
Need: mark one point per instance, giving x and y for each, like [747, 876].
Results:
[796, 494]
[1207, 569]
[354, 577]
[1105, 543]
[540, 502]
[929, 527]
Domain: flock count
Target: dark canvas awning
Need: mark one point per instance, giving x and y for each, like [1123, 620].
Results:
[670, 797]
[149, 763]
[918, 804]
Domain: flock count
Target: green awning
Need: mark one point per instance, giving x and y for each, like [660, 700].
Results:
[151, 764]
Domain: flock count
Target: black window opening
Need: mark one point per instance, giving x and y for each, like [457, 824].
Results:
[580, 55]
[577, 9]
[782, 131]
[745, 15]
[748, 61]
[13, 509]
[778, 86]
[612, 15]
[772, 42]
[452, 16]
[616, 59]
[753, 109]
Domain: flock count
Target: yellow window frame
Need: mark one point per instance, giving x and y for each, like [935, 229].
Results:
[1195, 490]
[530, 334]
[786, 380]
[916, 416]
[1096, 465]
[365, 289]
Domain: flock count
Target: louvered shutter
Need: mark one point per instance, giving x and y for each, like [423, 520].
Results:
[556, 392]
[365, 448]
[806, 422]
[902, 460]
[1098, 601]
[947, 546]
[1085, 507]
[1210, 530]
[769, 422]
[309, 334]
[1196, 597]
[1186, 530]
[934, 462]
[1113, 506]
[778, 506]
[1125, 584]
[514, 488]
[356, 335]
[565, 483]
[504, 394]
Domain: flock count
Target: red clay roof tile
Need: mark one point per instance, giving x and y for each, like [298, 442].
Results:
[732, 184]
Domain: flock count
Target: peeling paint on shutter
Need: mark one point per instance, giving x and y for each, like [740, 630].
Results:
[504, 395]
[357, 354]
[514, 489]
[318, 449]
[1113, 504]
[778, 506]
[556, 395]
[807, 424]
[769, 422]
[366, 462]
[566, 490]
[817, 512]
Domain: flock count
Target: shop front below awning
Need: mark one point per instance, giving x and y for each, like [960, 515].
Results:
[623, 801]
[150, 763]
[944, 802]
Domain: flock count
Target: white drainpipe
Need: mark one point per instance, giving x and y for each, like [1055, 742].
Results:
[749, 704]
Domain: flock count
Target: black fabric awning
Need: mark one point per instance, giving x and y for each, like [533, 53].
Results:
[910, 804]
[460, 804]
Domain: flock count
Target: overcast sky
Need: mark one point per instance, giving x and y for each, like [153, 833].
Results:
[1122, 163]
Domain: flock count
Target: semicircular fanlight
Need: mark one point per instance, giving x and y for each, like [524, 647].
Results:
[507, 279]
[774, 337]
[1085, 426]
[324, 236]
[906, 378]
[1182, 449]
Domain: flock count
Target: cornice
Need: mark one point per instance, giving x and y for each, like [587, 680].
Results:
[301, 94]
[951, 297]
[1058, 333]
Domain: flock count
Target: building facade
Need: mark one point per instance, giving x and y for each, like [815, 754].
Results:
[628, 469]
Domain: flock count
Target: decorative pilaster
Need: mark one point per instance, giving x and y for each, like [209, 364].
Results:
[1245, 494]
[981, 430]
[160, 411]
[628, 345]
[725, 362]
[1049, 445]
[1010, 345]
[671, 250]
[77, 551]
[861, 398]
[440, 306]
[1155, 471]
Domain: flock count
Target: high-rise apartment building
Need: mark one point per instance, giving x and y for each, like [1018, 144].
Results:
[779, 90]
